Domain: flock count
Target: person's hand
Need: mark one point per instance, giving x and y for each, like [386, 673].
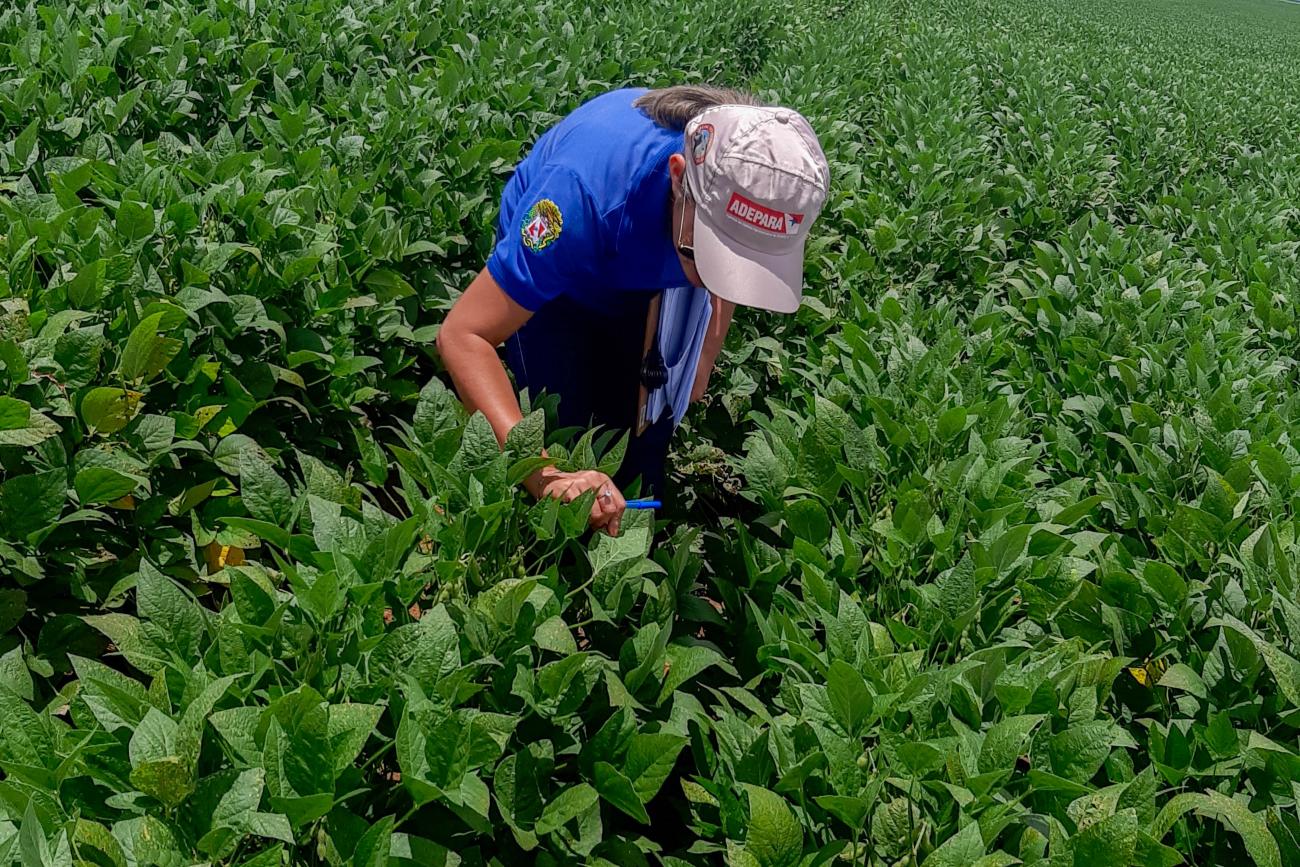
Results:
[606, 511]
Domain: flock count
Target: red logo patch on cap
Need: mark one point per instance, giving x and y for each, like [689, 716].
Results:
[700, 142]
[762, 217]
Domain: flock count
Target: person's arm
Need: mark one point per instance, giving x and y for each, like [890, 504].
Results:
[480, 321]
[719, 323]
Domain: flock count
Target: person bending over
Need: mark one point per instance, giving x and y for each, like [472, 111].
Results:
[624, 240]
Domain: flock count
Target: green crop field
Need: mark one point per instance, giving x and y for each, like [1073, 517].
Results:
[989, 555]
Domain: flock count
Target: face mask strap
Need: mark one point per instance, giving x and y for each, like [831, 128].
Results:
[686, 250]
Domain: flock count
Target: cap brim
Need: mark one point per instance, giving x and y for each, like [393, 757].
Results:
[745, 276]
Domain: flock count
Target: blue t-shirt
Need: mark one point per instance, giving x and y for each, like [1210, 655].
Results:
[586, 214]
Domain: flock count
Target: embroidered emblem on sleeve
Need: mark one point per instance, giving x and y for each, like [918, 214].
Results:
[542, 225]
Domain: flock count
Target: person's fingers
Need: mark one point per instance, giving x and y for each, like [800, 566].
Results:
[609, 505]
[608, 496]
[615, 505]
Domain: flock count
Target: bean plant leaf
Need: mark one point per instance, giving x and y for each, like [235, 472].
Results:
[1253, 830]
[102, 485]
[108, 410]
[568, 805]
[773, 837]
[617, 790]
[147, 351]
[265, 494]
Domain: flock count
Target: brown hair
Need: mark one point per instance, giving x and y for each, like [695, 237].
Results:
[672, 107]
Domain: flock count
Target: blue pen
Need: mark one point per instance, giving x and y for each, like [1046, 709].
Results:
[644, 504]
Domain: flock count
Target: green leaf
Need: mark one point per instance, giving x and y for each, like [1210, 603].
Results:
[388, 285]
[32, 502]
[39, 428]
[86, 289]
[171, 614]
[375, 845]
[154, 738]
[264, 530]
[1285, 668]
[304, 755]
[126, 633]
[1183, 677]
[619, 791]
[961, 849]
[956, 589]
[1079, 751]
[149, 839]
[32, 840]
[238, 727]
[1236, 815]
[685, 661]
[96, 485]
[350, 726]
[1004, 742]
[108, 410]
[373, 461]
[117, 701]
[241, 800]
[14, 361]
[147, 352]
[851, 811]
[951, 422]
[1273, 466]
[809, 521]
[851, 700]
[478, 443]
[568, 805]
[527, 438]
[553, 634]
[14, 675]
[25, 737]
[1113, 840]
[649, 761]
[135, 221]
[773, 836]
[254, 601]
[13, 605]
[25, 145]
[274, 826]
[15, 414]
[266, 496]
[229, 453]
[1169, 587]
[234, 813]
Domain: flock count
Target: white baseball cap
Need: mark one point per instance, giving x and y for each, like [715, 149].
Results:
[759, 179]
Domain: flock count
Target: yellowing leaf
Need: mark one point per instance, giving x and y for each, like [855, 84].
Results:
[108, 410]
[219, 556]
[205, 414]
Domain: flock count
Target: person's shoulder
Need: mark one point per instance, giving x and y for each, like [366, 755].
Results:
[613, 107]
[611, 131]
